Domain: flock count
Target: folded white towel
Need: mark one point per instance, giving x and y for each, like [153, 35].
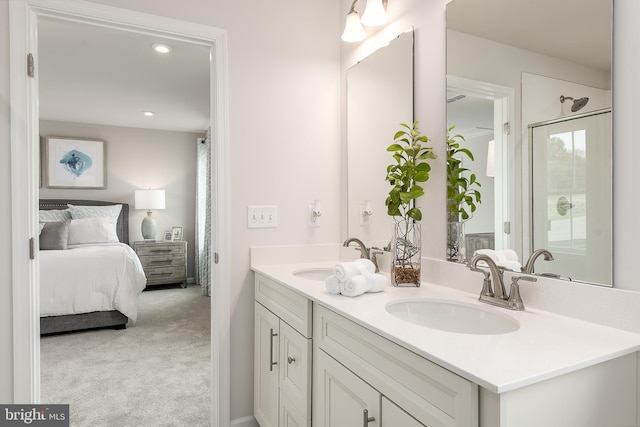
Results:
[358, 285]
[345, 270]
[502, 258]
[332, 284]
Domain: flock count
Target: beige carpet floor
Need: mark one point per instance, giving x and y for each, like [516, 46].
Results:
[155, 373]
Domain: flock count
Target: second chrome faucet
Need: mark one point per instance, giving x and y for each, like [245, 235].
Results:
[493, 290]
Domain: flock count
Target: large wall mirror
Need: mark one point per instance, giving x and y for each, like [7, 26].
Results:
[379, 98]
[518, 70]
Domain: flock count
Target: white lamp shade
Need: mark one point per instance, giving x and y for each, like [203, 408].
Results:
[375, 14]
[491, 159]
[149, 199]
[353, 29]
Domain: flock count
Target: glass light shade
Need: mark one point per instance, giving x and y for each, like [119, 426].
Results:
[375, 14]
[491, 155]
[149, 199]
[353, 29]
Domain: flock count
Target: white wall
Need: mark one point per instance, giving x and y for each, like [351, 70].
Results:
[138, 159]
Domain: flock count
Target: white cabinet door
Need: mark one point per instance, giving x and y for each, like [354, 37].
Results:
[266, 368]
[394, 416]
[341, 398]
[295, 369]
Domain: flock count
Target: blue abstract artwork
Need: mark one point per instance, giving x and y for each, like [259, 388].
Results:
[76, 162]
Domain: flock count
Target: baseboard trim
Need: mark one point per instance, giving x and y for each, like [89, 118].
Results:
[249, 421]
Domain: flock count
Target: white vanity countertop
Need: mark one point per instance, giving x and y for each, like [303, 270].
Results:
[545, 346]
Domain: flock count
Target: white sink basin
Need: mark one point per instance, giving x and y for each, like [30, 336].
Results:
[452, 316]
[314, 273]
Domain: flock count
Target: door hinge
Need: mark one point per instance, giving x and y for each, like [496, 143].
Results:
[31, 67]
[215, 257]
[506, 227]
[32, 248]
[506, 128]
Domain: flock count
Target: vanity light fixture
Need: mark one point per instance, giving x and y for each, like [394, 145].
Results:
[161, 48]
[375, 14]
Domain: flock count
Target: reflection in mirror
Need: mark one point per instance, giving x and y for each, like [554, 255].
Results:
[379, 98]
[532, 70]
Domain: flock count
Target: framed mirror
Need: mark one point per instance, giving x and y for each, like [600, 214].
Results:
[504, 74]
[379, 98]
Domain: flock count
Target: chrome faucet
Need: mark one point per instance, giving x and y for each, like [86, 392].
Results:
[496, 295]
[365, 252]
[528, 267]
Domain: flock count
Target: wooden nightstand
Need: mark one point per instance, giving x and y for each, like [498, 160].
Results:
[163, 262]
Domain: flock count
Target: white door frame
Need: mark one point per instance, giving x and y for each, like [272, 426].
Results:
[503, 101]
[25, 182]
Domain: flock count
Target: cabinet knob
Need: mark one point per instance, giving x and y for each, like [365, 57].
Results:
[291, 359]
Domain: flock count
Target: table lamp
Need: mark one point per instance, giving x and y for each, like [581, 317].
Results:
[149, 199]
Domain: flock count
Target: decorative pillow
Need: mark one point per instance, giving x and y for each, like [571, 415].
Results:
[54, 235]
[80, 212]
[54, 215]
[92, 230]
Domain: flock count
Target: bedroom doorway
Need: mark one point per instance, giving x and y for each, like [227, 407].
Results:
[24, 16]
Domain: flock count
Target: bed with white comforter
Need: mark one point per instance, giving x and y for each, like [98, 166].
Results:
[89, 278]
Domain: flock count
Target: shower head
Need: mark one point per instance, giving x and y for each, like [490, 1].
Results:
[578, 104]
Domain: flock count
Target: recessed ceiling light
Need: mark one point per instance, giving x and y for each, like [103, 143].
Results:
[161, 48]
[148, 113]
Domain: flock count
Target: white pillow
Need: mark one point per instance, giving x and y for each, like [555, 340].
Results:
[54, 215]
[92, 230]
[80, 212]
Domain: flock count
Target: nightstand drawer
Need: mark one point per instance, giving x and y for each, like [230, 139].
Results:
[160, 249]
[153, 261]
[164, 274]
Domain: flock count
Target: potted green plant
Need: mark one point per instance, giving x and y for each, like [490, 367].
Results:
[410, 168]
[462, 194]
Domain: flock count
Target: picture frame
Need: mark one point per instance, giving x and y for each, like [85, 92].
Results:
[176, 233]
[168, 235]
[74, 163]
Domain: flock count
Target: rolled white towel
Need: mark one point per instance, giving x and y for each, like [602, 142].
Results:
[509, 254]
[345, 270]
[358, 285]
[333, 285]
[511, 265]
[354, 286]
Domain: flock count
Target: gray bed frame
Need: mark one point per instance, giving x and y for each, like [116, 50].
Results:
[99, 319]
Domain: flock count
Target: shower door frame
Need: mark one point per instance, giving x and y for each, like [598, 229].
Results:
[530, 225]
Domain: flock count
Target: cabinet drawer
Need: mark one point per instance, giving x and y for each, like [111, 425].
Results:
[161, 249]
[430, 393]
[288, 305]
[153, 261]
[165, 274]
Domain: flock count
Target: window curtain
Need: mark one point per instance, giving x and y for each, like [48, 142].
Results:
[203, 216]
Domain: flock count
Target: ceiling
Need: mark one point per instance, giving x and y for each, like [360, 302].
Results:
[99, 75]
[577, 30]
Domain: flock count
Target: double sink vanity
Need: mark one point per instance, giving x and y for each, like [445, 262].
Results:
[429, 356]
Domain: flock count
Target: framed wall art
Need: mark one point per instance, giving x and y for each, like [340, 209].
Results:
[74, 163]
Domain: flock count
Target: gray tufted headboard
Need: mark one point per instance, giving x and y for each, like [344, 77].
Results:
[122, 227]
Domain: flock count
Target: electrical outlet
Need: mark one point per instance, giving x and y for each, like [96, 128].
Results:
[262, 216]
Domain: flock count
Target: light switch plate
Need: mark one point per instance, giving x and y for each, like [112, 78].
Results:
[262, 216]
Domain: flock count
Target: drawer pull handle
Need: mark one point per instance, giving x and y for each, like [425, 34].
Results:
[271, 362]
[164, 261]
[160, 274]
[366, 419]
[291, 359]
[160, 250]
